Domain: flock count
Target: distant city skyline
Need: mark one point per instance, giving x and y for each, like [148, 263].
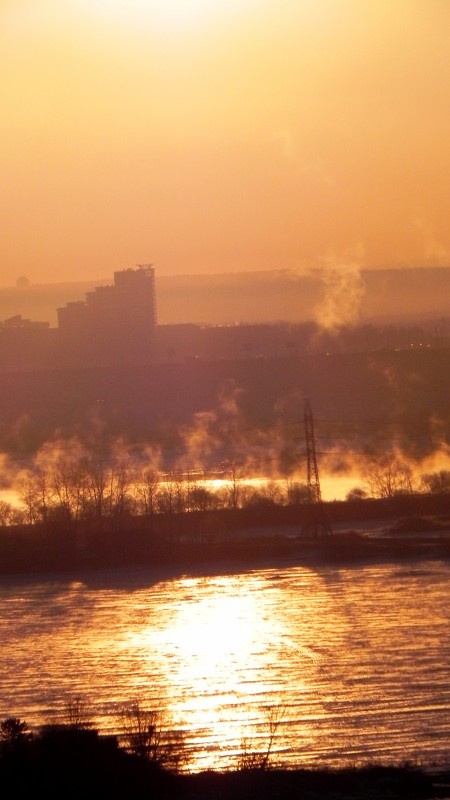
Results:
[222, 136]
[332, 297]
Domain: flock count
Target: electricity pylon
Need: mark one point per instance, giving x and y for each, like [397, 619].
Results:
[316, 523]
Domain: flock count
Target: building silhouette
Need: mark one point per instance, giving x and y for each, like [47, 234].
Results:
[115, 325]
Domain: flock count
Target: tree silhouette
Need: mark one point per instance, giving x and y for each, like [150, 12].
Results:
[14, 734]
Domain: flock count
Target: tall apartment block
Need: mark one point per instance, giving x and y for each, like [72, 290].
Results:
[115, 325]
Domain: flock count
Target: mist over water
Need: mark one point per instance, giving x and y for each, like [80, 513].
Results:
[332, 488]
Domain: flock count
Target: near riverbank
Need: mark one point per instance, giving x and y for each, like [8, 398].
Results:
[70, 762]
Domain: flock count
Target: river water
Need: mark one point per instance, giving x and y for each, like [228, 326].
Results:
[349, 665]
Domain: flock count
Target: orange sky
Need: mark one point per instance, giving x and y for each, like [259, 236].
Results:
[222, 135]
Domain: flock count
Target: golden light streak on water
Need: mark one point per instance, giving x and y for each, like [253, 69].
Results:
[355, 660]
[218, 650]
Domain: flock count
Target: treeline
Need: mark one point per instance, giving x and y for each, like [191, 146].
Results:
[116, 490]
[92, 513]
[90, 488]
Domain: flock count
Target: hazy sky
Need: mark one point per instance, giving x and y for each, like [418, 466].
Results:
[222, 135]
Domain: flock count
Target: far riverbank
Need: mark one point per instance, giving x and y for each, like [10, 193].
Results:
[179, 544]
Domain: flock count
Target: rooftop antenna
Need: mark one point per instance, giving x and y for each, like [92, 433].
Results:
[315, 523]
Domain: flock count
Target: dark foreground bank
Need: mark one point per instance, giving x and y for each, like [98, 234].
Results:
[75, 779]
[374, 782]
[72, 764]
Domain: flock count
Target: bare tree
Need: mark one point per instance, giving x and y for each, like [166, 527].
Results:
[202, 499]
[436, 482]
[166, 495]
[235, 472]
[268, 493]
[146, 734]
[67, 481]
[37, 495]
[249, 757]
[76, 713]
[181, 490]
[295, 492]
[18, 516]
[6, 512]
[95, 482]
[119, 489]
[146, 490]
[388, 476]
[172, 493]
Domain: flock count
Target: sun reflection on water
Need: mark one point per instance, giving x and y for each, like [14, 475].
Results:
[221, 649]
[343, 655]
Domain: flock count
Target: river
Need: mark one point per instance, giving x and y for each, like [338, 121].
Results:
[349, 665]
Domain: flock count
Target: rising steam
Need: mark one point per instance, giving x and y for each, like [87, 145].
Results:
[344, 289]
[221, 438]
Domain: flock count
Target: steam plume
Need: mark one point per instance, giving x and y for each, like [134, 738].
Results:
[344, 289]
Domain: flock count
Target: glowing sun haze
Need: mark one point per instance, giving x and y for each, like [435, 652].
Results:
[222, 135]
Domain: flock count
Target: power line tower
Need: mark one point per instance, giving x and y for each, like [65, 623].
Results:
[316, 523]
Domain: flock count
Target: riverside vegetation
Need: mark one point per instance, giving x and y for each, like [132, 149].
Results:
[72, 759]
[86, 514]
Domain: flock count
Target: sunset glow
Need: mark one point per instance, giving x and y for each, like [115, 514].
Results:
[222, 136]
[224, 416]
[167, 16]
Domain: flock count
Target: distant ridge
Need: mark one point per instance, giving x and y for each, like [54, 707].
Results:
[381, 295]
